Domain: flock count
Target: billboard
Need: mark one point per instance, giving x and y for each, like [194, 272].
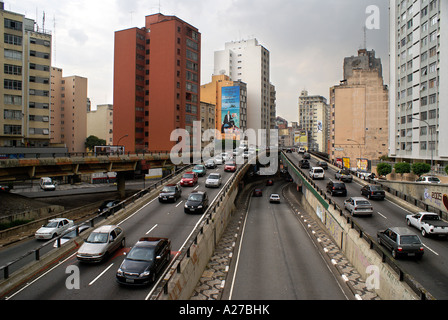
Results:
[300, 139]
[230, 113]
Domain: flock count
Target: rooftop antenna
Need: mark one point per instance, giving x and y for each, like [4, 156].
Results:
[54, 37]
[365, 37]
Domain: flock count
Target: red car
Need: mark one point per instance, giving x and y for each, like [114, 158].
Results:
[269, 182]
[258, 193]
[230, 166]
[189, 179]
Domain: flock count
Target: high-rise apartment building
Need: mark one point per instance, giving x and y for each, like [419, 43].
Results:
[419, 80]
[359, 111]
[100, 122]
[314, 119]
[248, 61]
[25, 79]
[69, 105]
[156, 83]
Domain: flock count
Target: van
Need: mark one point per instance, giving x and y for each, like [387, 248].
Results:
[317, 173]
[47, 184]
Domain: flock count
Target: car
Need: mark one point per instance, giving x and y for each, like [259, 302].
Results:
[322, 164]
[170, 192]
[200, 170]
[109, 207]
[373, 191]
[269, 182]
[304, 164]
[358, 206]
[226, 156]
[71, 233]
[429, 223]
[197, 202]
[189, 179]
[101, 243]
[401, 241]
[336, 188]
[428, 179]
[144, 261]
[218, 160]
[5, 188]
[230, 166]
[47, 184]
[213, 180]
[210, 164]
[301, 150]
[343, 175]
[257, 192]
[274, 198]
[306, 155]
[317, 173]
[54, 227]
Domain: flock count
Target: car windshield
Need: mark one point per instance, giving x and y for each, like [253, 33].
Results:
[198, 168]
[433, 179]
[431, 217]
[230, 163]
[213, 176]
[411, 239]
[141, 254]
[195, 197]
[169, 189]
[375, 188]
[97, 237]
[51, 224]
[275, 196]
[188, 175]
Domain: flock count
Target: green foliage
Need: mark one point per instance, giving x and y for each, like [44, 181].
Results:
[402, 167]
[420, 168]
[383, 169]
[446, 169]
[93, 141]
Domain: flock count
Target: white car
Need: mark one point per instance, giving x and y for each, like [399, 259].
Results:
[53, 228]
[218, 159]
[428, 179]
[358, 206]
[274, 198]
[213, 180]
[317, 173]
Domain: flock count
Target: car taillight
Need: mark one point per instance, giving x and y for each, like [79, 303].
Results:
[400, 249]
[421, 248]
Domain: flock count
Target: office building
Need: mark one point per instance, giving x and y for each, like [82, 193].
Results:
[25, 78]
[314, 119]
[156, 83]
[69, 105]
[419, 81]
[248, 61]
[359, 111]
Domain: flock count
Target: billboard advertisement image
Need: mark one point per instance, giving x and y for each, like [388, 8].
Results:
[230, 113]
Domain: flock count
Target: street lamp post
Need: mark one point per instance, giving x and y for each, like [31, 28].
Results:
[118, 143]
[428, 146]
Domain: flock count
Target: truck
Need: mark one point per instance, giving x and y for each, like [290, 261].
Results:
[429, 223]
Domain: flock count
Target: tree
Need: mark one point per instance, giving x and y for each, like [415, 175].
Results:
[93, 141]
[446, 169]
[420, 168]
[383, 169]
[402, 167]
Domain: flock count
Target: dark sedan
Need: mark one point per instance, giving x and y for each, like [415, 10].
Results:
[322, 164]
[197, 202]
[109, 207]
[401, 242]
[372, 191]
[258, 193]
[144, 261]
[170, 192]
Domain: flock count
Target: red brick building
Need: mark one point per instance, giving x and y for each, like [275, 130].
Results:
[156, 83]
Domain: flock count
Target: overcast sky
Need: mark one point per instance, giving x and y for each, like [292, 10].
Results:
[307, 39]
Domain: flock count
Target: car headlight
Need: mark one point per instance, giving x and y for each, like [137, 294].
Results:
[185, 206]
[120, 272]
[199, 207]
[144, 274]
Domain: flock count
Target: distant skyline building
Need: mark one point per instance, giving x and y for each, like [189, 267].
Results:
[156, 83]
[69, 105]
[314, 119]
[249, 62]
[359, 111]
[419, 81]
[25, 78]
[100, 122]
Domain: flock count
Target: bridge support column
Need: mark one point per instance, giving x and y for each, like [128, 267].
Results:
[121, 184]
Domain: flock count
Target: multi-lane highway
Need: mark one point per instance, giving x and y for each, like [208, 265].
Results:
[430, 271]
[98, 281]
[278, 260]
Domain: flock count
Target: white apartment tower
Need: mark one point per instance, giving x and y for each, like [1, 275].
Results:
[248, 61]
[418, 99]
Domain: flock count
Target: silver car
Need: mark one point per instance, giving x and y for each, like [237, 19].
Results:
[101, 243]
[213, 180]
[358, 206]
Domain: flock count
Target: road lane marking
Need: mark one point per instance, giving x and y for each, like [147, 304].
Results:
[196, 187]
[382, 215]
[93, 281]
[152, 229]
[430, 249]
[179, 203]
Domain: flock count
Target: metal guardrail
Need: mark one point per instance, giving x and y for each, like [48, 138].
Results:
[91, 221]
[385, 257]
